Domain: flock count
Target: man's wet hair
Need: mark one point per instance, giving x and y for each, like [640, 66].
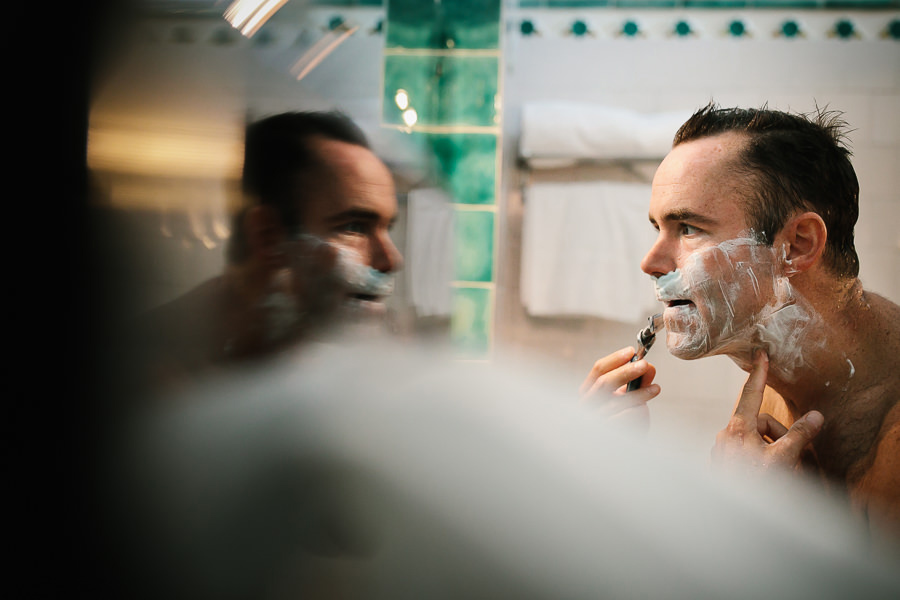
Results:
[278, 150]
[279, 147]
[793, 162]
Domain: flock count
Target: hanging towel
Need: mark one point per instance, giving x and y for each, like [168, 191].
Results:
[556, 132]
[429, 251]
[582, 245]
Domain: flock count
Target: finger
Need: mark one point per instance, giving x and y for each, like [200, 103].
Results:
[616, 380]
[751, 398]
[770, 427]
[801, 433]
[648, 376]
[605, 365]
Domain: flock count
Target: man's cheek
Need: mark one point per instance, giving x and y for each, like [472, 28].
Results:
[359, 278]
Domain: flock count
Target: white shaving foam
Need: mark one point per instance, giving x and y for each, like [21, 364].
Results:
[724, 282]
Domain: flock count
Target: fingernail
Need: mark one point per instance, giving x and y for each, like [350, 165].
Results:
[815, 419]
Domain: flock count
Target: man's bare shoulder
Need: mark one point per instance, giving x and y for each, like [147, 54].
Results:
[880, 329]
[879, 488]
[885, 312]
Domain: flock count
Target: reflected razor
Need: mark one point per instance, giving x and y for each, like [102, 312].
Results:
[645, 339]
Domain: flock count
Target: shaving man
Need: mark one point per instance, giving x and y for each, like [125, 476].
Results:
[755, 260]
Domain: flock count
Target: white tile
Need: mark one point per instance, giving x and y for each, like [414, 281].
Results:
[886, 116]
[878, 171]
[879, 273]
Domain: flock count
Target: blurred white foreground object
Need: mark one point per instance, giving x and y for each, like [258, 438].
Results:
[382, 472]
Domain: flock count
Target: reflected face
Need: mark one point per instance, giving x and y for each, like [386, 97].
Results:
[352, 206]
[717, 282]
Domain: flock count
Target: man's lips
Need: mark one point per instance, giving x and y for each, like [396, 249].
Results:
[678, 302]
[366, 297]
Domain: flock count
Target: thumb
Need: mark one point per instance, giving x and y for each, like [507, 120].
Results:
[801, 433]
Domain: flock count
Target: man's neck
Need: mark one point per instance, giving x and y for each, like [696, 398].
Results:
[850, 375]
[832, 368]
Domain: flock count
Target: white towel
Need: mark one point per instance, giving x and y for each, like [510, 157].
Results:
[568, 131]
[429, 253]
[582, 244]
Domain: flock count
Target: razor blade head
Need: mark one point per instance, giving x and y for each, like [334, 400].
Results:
[647, 335]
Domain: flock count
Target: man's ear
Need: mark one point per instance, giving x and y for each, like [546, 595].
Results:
[264, 231]
[804, 236]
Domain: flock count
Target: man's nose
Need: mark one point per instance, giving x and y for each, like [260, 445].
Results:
[659, 260]
[385, 255]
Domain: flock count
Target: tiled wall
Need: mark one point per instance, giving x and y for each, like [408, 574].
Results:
[442, 83]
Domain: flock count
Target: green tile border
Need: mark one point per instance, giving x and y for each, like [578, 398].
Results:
[446, 57]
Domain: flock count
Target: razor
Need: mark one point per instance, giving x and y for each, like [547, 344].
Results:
[645, 339]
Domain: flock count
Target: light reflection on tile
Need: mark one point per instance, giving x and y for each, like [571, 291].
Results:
[442, 90]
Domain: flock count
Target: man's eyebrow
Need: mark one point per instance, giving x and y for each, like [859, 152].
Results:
[354, 214]
[684, 215]
[357, 214]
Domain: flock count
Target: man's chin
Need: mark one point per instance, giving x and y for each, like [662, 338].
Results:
[365, 309]
[686, 347]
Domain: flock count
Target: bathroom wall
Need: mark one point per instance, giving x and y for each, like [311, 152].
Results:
[660, 70]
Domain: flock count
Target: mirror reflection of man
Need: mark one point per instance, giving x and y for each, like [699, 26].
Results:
[755, 260]
[312, 250]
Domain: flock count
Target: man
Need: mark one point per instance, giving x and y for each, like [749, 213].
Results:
[755, 260]
[311, 250]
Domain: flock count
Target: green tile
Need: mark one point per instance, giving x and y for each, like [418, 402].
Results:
[470, 324]
[467, 165]
[464, 164]
[443, 90]
[474, 246]
[449, 24]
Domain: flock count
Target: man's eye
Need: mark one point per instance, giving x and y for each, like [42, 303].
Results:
[689, 229]
[353, 227]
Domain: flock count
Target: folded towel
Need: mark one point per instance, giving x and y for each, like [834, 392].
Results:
[582, 244]
[429, 252]
[569, 131]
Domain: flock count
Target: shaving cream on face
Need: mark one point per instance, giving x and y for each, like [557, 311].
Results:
[361, 286]
[739, 299]
[280, 309]
[362, 281]
[359, 277]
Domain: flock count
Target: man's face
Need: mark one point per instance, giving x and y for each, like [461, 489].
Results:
[719, 285]
[352, 206]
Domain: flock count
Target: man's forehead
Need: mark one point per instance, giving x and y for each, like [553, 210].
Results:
[697, 181]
